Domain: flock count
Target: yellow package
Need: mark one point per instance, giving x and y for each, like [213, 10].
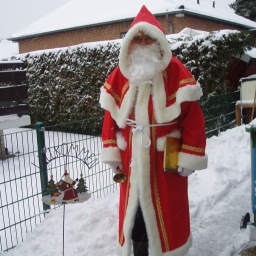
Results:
[171, 152]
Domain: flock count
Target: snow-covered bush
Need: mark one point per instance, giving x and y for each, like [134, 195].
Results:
[209, 57]
[64, 84]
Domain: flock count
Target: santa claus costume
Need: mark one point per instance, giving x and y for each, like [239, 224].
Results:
[138, 119]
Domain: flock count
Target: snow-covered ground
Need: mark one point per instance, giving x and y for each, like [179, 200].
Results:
[219, 196]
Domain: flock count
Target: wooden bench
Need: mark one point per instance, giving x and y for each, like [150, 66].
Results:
[14, 108]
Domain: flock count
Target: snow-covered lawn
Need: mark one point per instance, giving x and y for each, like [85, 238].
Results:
[219, 196]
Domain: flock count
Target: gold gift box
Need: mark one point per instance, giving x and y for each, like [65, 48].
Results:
[171, 153]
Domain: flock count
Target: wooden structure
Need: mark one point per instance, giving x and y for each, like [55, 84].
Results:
[245, 107]
[14, 108]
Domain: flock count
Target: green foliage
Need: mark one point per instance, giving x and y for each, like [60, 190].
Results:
[64, 84]
[245, 8]
[209, 58]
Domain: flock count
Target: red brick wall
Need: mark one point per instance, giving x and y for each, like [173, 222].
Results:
[198, 23]
[73, 37]
[113, 31]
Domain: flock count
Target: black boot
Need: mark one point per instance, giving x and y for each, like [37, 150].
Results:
[140, 248]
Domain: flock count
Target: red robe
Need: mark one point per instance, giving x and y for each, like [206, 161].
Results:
[171, 98]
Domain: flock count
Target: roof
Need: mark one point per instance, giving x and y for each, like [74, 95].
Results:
[86, 13]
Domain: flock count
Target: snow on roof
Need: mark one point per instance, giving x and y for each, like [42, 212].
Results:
[81, 13]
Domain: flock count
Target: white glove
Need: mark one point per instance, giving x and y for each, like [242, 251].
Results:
[184, 171]
[114, 165]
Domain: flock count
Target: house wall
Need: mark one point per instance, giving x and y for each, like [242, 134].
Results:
[251, 68]
[73, 37]
[199, 24]
[113, 31]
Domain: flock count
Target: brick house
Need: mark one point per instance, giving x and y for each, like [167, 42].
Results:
[58, 29]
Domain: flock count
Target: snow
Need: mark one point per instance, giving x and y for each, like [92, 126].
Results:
[8, 48]
[251, 53]
[76, 13]
[219, 196]
[175, 39]
[79, 13]
[10, 121]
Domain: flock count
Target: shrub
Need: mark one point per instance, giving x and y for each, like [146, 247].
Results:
[64, 84]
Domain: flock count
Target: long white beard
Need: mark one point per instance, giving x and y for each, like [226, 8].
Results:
[144, 63]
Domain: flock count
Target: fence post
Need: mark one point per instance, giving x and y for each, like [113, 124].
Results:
[42, 159]
[2, 146]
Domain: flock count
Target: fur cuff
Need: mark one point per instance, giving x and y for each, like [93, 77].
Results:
[189, 93]
[192, 162]
[110, 154]
[120, 141]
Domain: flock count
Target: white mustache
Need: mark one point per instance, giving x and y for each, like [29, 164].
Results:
[144, 63]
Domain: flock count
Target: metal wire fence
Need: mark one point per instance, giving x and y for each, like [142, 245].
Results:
[20, 189]
[24, 174]
[219, 112]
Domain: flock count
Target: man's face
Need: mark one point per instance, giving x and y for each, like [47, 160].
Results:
[144, 59]
[142, 39]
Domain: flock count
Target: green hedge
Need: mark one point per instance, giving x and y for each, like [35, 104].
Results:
[210, 56]
[64, 84]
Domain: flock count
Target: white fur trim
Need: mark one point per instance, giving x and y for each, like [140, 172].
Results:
[153, 32]
[143, 165]
[192, 162]
[165, 114]
[120, 141]
[118, 114]
[160, 142]
[140, 191]
[110, 154]
[189, 93]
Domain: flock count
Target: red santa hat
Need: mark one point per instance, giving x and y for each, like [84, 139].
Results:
[144, 21]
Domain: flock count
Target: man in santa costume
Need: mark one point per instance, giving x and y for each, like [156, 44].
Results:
[151, 96]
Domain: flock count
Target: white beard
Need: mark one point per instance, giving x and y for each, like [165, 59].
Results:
[144, 63]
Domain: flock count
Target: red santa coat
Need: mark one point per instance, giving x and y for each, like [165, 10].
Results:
[166, 106]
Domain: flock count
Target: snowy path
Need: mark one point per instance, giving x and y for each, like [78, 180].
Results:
[216, 228]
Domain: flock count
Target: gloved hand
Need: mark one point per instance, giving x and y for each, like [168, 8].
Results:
[114, 165]
[184, 171]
